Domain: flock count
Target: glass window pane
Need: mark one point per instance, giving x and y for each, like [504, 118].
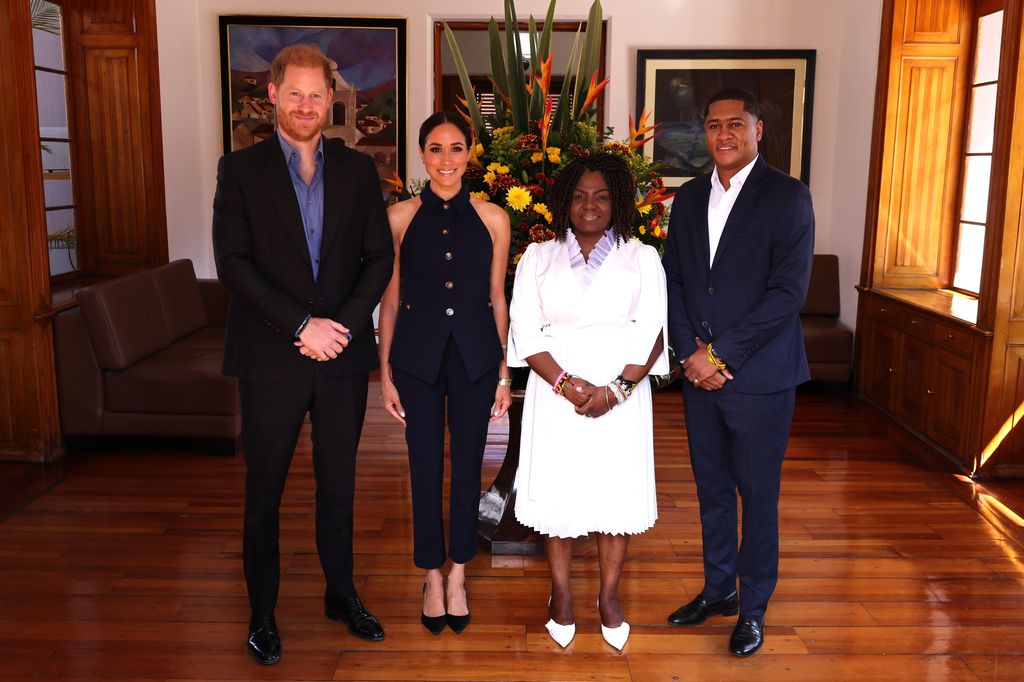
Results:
[982, 120]
[63, 256]
[976, 177]
[46, 42]
[57, 189]
[60, 222]
[990, 35]
[52, 101]
[56, 157]
[968, 257]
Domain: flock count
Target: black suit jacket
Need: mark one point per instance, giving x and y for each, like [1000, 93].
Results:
[262, 258]
[748, 301]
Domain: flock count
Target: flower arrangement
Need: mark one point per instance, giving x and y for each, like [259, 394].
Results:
[520, 150]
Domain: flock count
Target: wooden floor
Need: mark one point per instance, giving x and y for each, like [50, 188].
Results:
[129, 567]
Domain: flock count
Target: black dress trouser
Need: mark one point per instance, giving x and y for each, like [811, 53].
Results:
[469, 403]
[272, 416]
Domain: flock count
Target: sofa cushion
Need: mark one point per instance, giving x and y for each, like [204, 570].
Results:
[180, 299]
[125, 320]
[826, 340]
[182, 379]
[823, 290]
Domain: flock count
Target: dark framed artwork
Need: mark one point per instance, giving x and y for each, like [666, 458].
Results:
[369, 60]
[675, 85]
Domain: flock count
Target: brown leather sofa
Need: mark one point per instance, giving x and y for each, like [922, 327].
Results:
[141, 356]
[829, 342]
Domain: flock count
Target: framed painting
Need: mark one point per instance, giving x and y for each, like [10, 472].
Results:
[675, 85]
[368, 57]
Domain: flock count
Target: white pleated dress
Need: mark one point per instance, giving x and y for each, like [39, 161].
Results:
[579, 474]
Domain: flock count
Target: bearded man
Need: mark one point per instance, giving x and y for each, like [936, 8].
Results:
[302, 242]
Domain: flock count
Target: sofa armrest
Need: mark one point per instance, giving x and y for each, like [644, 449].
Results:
[79, 377]
[216, 298]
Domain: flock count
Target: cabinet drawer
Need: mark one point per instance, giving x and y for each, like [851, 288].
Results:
[886, 312]
[951, 338]
[917, 324]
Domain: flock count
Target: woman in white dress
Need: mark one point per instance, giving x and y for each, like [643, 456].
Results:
[588, 316]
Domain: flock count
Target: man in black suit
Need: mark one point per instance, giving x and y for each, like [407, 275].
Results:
[302, 242]
[737, 264]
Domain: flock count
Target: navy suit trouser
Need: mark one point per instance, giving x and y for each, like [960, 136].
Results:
[468, 404]
[272, 417]
[737, 443]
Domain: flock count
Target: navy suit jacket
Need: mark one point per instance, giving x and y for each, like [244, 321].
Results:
[748, 301]
[263, 259]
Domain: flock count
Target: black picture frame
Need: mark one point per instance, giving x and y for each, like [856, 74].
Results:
[673, 86]
[369, 107]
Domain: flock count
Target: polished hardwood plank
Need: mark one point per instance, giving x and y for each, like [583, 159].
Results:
[127, 566]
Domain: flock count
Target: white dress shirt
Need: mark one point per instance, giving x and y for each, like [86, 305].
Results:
[720, 204]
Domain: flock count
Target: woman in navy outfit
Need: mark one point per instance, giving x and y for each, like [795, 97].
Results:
[443, 333]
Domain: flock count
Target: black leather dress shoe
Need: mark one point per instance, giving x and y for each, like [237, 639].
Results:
[264, 644]
[702, 608]
[350, 610]
[747, 636]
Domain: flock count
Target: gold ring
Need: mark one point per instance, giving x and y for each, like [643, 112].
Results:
[696, 382]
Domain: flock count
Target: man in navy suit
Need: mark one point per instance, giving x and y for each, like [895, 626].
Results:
[737, 261]
[303, 244]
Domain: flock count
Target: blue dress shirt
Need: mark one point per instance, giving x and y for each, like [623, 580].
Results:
[310, 198]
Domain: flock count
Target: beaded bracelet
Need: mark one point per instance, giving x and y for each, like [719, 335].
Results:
[625, 385]
[617, 391]
[556, 385]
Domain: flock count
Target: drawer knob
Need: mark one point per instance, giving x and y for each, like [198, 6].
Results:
[949, 337]
[913, 321]
[891, 370]
[929, 391]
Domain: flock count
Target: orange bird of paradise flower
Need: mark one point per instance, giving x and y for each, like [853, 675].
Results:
[636, 135]
[395, 181]
[593, 91]
[544, 83]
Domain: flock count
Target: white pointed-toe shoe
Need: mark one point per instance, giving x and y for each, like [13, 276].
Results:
[562, 634]
[615, 636]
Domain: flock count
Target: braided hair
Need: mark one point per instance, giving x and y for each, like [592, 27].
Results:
[620, 184]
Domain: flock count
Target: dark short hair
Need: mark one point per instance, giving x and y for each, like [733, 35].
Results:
[620, 183]
[440, 118]
[750, 103]
[306, 56]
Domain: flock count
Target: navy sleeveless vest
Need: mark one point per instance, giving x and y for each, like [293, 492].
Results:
[445, 268]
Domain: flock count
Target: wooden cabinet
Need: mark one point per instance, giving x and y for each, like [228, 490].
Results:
[916, 366]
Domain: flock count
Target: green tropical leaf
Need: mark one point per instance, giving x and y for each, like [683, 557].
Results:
[467, 86]
[590, 57]
[516, 76]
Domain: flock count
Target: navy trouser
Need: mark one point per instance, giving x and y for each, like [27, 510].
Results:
[468, 405]
[272, 416]
[737, 443]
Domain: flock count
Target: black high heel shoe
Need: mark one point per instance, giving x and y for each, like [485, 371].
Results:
[433, 623]
[459, 623]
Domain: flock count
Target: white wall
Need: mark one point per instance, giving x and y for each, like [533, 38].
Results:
[845, 35]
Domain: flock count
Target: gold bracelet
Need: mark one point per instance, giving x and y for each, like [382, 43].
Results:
[714, 359]
[504, 381]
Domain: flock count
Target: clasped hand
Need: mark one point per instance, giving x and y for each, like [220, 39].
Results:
[701, 372]
[588, 399]
[323, 339]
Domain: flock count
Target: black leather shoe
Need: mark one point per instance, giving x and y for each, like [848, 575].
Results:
[702, 608]
[747, 636]
[264, 643]
[350, 610]
[433, 623]
[458, 623]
